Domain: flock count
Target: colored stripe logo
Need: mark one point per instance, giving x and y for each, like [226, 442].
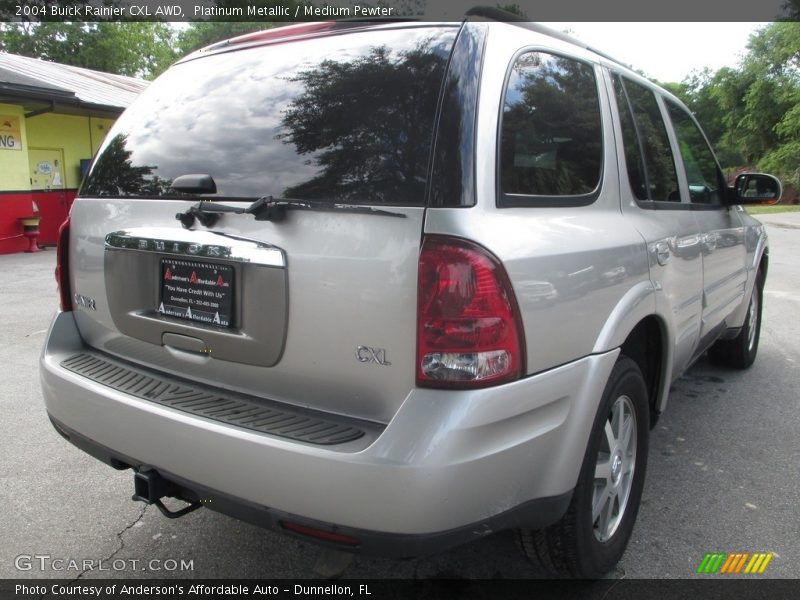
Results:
[734, 563]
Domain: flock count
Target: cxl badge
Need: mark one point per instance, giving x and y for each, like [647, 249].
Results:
[365, 354]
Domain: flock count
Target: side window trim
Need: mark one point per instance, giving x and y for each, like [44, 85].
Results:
[509, 200]
[683, 178]
[442, 191]
[637, 131]
[680, 168]
[684, 203]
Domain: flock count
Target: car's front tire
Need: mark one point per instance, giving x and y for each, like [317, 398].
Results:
[591, 537]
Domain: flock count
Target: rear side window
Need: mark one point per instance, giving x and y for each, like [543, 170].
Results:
[704, 176]
[648, 155]
[340, 118]
[551, 142]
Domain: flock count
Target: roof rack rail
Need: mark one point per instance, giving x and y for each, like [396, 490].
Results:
[498, 14]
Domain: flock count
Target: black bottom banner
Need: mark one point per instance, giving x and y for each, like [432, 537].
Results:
[446, 589]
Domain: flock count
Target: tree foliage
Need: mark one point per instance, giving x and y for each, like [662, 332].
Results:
[132, 48]
[115, 175]
[366, 123]
[552, 117]
[138, 49]
[752, 113]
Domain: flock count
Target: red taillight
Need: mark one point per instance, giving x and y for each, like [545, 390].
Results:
[62, 266]
[468, 326]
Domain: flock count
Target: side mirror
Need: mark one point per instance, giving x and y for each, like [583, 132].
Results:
[755, 188]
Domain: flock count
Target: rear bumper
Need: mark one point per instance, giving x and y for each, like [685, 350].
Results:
[451, 465]
[374, 543]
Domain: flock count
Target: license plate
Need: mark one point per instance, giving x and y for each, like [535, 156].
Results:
[196, 291]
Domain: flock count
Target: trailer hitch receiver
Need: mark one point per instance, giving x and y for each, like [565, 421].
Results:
[149, 487]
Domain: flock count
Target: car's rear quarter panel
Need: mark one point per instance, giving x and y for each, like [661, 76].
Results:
[570, 266]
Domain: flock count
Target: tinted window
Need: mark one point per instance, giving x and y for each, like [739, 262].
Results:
[634, 159]
[551, 139]
[345, 118]
[649, 159]
[453, 170]
[702, 172]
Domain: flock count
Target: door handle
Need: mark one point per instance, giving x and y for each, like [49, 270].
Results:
[662, 253]
[710, 241]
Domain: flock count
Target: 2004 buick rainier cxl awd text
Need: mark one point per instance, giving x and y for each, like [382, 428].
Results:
[396, 286]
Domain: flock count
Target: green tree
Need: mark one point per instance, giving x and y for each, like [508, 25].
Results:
[773, 99]
[366, 123]
[141, 49]
[114, 175]
[715, 98]
[752, 113]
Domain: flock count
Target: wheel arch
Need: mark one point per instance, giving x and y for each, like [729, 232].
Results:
[763, 263]
[760, 265]
[635, 327]
[647, 346]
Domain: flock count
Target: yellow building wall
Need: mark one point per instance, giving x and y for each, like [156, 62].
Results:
[69, 137]
[14, 163]
[78, 137]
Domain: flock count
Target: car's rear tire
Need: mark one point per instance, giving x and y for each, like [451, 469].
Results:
[740, 352]
[591, 537]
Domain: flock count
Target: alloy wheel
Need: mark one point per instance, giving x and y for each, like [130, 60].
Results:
[614, 468]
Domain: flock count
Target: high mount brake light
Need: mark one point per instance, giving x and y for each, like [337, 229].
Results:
[278, 33]
[469, 332]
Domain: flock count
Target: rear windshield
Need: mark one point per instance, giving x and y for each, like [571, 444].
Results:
[344, 118]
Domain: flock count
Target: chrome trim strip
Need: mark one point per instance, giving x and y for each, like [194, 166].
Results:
[196, 244]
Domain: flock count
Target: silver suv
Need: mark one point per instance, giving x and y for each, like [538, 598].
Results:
[394, 287]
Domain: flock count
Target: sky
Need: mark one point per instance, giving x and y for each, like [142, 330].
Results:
[667, 51]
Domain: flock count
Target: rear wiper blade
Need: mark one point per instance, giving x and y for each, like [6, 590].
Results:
[269, 208]
[263, 209]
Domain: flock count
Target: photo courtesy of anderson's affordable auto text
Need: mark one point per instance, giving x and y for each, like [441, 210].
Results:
[190, 590]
